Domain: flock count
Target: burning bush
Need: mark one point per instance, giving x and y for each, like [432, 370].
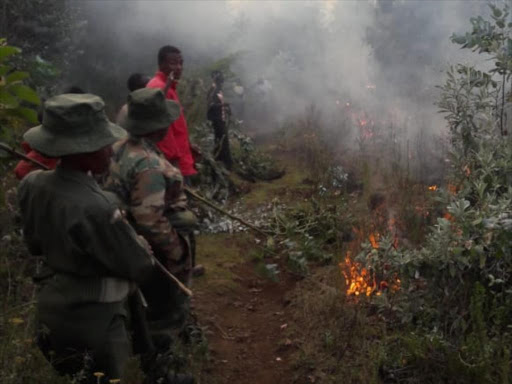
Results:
[456, 292]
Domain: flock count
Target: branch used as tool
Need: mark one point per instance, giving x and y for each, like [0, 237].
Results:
[182, 286]
[207, 202]
[12, 151]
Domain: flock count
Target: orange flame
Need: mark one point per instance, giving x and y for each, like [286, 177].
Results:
[432, 188]
[358, 280]
[449, 217]
[374, 240]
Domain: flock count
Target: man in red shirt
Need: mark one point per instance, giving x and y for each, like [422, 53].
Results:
[175, 145]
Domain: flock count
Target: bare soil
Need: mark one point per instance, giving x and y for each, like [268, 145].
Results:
[246, 328]
[246, 315]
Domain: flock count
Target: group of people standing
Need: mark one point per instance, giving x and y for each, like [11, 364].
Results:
[102, 292]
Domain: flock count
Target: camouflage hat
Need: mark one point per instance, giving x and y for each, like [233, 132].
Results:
[73, 123]
[149, 111]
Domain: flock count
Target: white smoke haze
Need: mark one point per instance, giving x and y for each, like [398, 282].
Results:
[386, 57]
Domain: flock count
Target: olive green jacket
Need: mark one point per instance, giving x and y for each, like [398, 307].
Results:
[94, 253]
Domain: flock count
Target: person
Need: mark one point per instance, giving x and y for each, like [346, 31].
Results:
[218, 113]
[152, 190]
[135, 81]
[93, 259]
[24, 167]
[176, 144]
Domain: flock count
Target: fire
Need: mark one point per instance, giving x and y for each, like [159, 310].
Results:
[432, 188]
[363, 282]
[448, 217]
[358, 280]
[374, 240]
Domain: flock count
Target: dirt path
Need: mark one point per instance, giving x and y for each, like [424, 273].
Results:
[246, 329]
[246, 314]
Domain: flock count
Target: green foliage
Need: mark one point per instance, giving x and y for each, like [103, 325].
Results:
[456, 291]
[249, 162]
[491, 37]
[17, 100]
[312, 231]
[48, 33]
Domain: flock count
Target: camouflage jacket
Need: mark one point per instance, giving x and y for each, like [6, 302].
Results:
[151, 189]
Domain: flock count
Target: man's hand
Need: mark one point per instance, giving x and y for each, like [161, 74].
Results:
[145, 244]
[168, 84]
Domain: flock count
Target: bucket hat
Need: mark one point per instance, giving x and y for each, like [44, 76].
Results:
[149, 111]
[72, 124]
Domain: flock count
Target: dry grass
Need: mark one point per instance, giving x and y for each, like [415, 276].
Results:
[337, 340]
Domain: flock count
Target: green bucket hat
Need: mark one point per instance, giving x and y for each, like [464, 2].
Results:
[72, 124]
[149, 111]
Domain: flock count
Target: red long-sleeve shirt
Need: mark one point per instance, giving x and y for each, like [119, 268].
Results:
[176, 144]
[24, 167]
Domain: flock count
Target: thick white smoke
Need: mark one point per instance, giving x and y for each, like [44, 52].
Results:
[387, 56]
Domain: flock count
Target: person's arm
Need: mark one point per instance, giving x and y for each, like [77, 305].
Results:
[168, 83]
[25, 202]
[107, 237]
[148, 209]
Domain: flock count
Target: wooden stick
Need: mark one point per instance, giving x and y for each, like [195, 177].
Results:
[181, 286]
[14, 152]
[219, 209]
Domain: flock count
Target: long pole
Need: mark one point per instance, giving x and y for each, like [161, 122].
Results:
[194, 195]
[14, 152]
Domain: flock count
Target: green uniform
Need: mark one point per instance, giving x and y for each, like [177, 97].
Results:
[152, 191]
[95, 260]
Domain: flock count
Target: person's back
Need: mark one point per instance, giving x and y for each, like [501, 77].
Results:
[66, 210]
[92, 257]
[152, 190]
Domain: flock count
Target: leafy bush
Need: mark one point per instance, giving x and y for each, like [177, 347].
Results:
[16, 98]
[456, 291]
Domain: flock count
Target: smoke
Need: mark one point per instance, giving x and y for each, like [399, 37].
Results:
[385, 57]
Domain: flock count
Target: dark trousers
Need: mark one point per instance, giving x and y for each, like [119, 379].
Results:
[222, 151]
[168, 306]
[72, 348]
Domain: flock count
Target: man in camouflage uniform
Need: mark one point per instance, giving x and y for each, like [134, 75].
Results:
[152, 190]
[93, 257]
